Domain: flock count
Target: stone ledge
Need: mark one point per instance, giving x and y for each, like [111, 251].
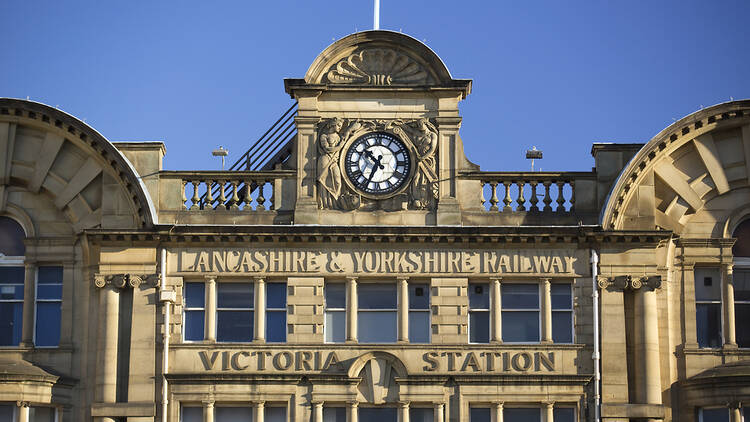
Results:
[147, 409]
[628, 410]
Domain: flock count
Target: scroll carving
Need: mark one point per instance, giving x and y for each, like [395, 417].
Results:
[419, 134]
[629, 282]
[377, 66]
[119, 280]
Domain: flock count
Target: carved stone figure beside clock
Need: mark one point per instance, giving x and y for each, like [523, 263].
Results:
[377, 165]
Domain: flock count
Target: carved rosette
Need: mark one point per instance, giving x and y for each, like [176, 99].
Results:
[420, 136]
[377, 66]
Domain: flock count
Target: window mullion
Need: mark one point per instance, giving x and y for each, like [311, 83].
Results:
[29, 305]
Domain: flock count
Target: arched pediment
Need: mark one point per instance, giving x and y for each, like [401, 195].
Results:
[378, 371]
[49, 152]
[689, 178]
[378, 58]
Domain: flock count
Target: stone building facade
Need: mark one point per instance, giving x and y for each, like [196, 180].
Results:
[370, 271]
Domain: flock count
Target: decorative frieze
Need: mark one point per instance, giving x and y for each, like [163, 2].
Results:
[629, 282]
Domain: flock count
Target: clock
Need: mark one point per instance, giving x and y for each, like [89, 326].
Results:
[377, 164]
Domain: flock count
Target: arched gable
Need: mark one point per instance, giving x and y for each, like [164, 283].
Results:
[690, 178]
[53, 153]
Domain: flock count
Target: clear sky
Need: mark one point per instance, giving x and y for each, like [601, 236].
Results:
[555, 74]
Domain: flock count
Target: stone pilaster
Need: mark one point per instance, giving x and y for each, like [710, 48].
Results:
[23, 411]
[546, 311]
[317, 408]
[208, 411]
[352, 409]
[351, 310]
[403, 310]
[29, 296]
[727, 293]
[497, 412]
[438, 412]
[259, 411]
[210, 329]
[548, 412]
[496, 323]
[403, 411]
[259, 329]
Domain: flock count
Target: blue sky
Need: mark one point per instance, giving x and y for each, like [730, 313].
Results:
[555, 74]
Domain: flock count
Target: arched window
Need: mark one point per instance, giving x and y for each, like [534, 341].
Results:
[741, 282]
[12, 251]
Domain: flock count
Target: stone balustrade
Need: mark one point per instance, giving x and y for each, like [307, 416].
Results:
[529, 192]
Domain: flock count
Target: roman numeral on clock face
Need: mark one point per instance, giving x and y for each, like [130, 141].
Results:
[377, 163]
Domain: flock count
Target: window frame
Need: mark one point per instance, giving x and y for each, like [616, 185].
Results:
[741, 264]
[539, 310]
[270, 310]
[570, 310]
[251, 309]
[16, 261]
[186, 309]
[487, 310]
[427, 311]
[360, 310]
[327, 309]
[701, 409]
[37, 300]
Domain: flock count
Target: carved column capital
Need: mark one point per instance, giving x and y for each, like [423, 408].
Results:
[120, 281]
[629, 282]
[646, 282]
[100, 280]
[21, 403]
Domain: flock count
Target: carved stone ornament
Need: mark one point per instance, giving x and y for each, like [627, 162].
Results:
[421, 137]
[377, 66]
[623, 282]
[119, 280]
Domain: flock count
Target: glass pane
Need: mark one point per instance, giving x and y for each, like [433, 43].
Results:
[742, 330]
[479, 296]
[564, 414]
[6, 412]
[420, 414]
[522, 415]
[195, 296]
[11, 238]
[192, 414]
[377, 327]
[194, 322]
[276, 295]
[479, 327]
[11, 317]
[42, 414]
[335, 326]
[275, 414]
[234, 325]
[377, 414]
[49, 275]
[11, 275]
[479, 414]
[276, 326]
[47, 324]
[234, 414]
[376, 296]
[335, 295]
[14, 292]
[741, 281]
[561, 296]
[419, 327]
[235, 295]
[521, 327]
[742, 245]
[419, 296]
[520, 296]
[334, 414]
[49, 291]
[562, 327]
[707, 283]
[715, 415]
[708, 324]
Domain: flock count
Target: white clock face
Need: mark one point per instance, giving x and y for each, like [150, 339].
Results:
[377, 163]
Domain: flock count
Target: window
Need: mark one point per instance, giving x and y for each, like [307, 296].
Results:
[742, 306]
[564, 414]
[233, 414]
[275, 414]
[11, 305]
[479, 414]
[419, 313]
[562, 313]
[479, 313]
[378, 313]
[276, 312]
[195, 311]
[720, 414]
[234, 312]
[377, 414]
[522, 414]
[520, 318]
[420, 414]
[48, 306]
[41, 414]
[335, 313]
[192, 414]
[708, 306]
[7, 412]
[334, 414]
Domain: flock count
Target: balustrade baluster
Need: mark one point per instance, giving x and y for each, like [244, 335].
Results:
[261, 199]
[222, 195]
[507, 199]
[560, 197]
[247, 198]
[572, 195]
[521, 200]
[482, 200]
[209, 194]
[494, 199]
[235, 205]
[272, 201]
[547, 199]
[184, 197]
[196, 199]
[534, 200]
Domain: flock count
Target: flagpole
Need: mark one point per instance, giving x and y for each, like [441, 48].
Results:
[376, 17]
